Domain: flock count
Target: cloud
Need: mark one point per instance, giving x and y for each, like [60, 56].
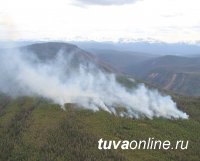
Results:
[106, 2]
[7, 27]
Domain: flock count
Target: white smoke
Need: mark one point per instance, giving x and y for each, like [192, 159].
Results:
[58, 79]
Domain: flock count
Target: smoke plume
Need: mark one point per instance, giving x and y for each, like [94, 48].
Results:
[63, 80]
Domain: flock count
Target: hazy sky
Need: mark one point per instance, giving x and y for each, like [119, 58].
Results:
[165, 20]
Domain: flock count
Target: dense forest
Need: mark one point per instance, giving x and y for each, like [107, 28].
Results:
[34, 129]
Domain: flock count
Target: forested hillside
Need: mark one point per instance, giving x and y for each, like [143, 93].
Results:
[35, 129]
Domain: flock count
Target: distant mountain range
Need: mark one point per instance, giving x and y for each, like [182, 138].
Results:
[33, 128]
[158, 48]
[176, 73]
[122, 60]
[143, 46]
[179, 74]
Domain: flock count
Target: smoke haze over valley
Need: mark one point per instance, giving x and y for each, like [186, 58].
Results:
[76, 75]
[64, 73]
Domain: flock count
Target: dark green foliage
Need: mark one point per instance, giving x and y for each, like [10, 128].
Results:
[31, 129]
